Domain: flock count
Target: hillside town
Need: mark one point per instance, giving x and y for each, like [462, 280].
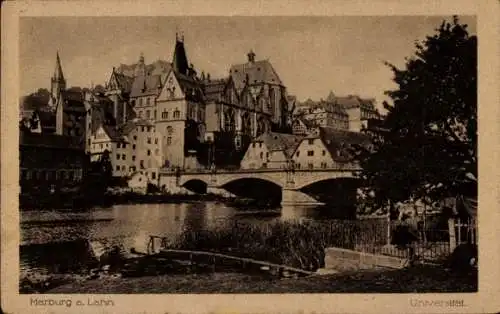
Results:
[167, 178]
[167, 116]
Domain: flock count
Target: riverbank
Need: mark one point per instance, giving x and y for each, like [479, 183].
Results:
[418, 279]
[76, 201]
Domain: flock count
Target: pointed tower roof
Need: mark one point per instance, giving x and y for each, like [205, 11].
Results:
[180, 61]
[58, 73]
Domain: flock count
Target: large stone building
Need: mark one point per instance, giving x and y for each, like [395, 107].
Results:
[345, 113]
[168, 116]
[47, 160]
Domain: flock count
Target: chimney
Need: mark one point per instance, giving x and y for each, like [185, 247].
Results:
[251, 56]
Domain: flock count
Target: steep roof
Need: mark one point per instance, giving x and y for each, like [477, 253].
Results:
[130, 125]
[155, 68]
[213, 89]
[348, 102]
[338, 141]
[112, 132]
[280, 142]
[146, 85]
[180, 60]
[256, 72]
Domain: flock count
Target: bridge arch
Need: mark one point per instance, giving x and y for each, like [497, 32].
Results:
[226, 179]
[196, 185]
[304, 179]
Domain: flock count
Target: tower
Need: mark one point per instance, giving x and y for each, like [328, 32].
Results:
[140, 69]
[58, 83]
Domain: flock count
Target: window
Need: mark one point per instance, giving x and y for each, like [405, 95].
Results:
[310, 165]
[148, 129]
[140, 114]
[133, 146]
[117, 168]
[124, 145]
[177, 114]
[253, 145]
[100, 145]
[169, 140]
[153, 175]
[133, 158]
[156, 140]
[164, 115]
[124, 157]
[133, 102]
[310, 141]
[170, 130]
[260, 144]
[310, 153]
[149, 152]
[298, 165]
[123, 168]
[298, 153]
[157, 152]
[261, 155]
[117, 156]
[140, 102]
[324, 152]
[267, 155]
[148, 113]
[142, 129]
[135, 138]
[147, 102]
[323, 165]
[142, 163]
[155, 114]
[149, 140]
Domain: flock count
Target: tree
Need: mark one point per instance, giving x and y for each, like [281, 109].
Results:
[426, 146]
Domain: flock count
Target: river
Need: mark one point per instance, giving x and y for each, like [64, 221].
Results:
[50, 239]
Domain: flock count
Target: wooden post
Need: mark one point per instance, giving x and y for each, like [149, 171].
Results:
[459, 232]
[451, 231]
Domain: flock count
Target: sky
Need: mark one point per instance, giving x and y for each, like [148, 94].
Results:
[312, 55]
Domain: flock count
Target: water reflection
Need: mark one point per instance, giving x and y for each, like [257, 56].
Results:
[129, 226]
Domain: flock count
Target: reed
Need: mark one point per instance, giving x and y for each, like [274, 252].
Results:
[298, 244]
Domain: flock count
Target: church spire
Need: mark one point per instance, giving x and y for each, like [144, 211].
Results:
[58, 73]
[180, 61]
[58, 83]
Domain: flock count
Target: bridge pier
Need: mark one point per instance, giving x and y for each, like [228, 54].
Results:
[295, 197]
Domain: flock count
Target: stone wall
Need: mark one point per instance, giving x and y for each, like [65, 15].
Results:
[337, 258]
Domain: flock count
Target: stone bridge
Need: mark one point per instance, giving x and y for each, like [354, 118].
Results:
[290, 181]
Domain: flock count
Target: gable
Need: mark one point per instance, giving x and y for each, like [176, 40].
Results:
[304, 146]
[171, 88]
[101, 135]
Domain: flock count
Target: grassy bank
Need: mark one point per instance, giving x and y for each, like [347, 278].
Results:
[412, 280]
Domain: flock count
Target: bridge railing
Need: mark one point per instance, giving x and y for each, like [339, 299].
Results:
[340, 167]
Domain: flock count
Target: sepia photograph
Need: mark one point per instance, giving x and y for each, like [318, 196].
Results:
[273, 158]
[223, 155]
